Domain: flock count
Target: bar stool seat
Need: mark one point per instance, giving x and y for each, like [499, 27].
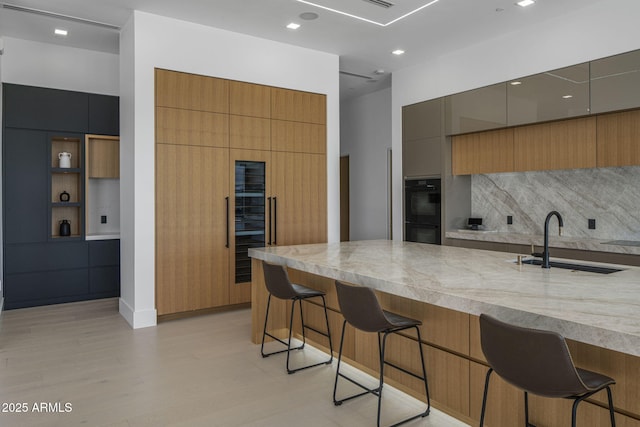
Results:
[361, 309]
[538, 362]
[278, 284]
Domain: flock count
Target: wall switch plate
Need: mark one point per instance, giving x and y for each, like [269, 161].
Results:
[103, 219]
[509, 219]
[592, 224]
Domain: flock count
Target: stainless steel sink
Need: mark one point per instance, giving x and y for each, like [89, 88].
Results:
[571, 266]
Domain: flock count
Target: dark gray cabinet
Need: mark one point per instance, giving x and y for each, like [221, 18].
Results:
[104, 115]
[39, 266]
[25, 186]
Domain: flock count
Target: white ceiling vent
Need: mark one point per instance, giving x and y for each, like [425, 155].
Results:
[381, 3]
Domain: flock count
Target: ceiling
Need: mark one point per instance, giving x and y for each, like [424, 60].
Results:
[363, 47]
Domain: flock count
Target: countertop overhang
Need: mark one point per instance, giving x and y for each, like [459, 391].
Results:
[598, 309]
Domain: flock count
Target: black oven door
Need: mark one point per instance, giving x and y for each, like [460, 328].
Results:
[422, 201]
[422, 233]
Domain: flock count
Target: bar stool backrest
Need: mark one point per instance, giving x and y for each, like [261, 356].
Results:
[360, 307]
[277, 281]
[533, 360]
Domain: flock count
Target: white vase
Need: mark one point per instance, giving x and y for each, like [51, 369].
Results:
[65, 159]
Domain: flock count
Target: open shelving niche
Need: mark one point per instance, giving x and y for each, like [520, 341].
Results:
[70, 180]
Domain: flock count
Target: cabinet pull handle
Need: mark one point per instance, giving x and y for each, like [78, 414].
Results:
[226, 199]
[275, 220]
[269, 201]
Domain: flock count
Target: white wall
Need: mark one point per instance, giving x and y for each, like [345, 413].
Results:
[365, 135]
[59, 67]
[607, 28]
[146, 43]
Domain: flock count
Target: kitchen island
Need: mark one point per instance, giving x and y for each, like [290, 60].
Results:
[447, 288]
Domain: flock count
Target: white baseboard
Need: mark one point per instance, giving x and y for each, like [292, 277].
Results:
[137, 319]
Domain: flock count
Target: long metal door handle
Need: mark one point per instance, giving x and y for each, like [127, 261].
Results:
[275, 220]
[227, 215]
[269, 201]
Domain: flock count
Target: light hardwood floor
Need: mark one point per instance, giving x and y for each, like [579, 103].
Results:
[200, 371]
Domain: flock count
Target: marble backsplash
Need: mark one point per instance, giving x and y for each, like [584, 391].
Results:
[611, 196]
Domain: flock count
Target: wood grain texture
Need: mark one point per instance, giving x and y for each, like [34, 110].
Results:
[299, 182]
[102, 156]
[70, 213]
[248, 99]
[69, 145]
[567, 144]
[298, 137]
[191, 91]
[297, 106]
[192, 262]
[187, 127]
[618, 139]
[249, 133]
[483, 152]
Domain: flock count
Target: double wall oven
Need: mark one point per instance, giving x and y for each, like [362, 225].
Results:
[422, 210]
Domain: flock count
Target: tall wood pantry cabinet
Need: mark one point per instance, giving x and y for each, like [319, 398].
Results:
[238, 165]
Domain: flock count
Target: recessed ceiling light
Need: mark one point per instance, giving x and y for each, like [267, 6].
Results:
[525, 3]
[398, 52]
[293, 26]
[60, 32]
[567, 96]
[516, 83]
[308, 16]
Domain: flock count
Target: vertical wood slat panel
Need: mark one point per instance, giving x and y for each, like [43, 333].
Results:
[567, 144]
[485, 152]
[618, 140]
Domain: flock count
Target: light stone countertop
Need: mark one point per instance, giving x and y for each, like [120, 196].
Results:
[555, 241]
[598, 309]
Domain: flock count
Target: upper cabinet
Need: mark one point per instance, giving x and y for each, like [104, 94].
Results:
[565, 144]
[422, 120]
[482, 152]
[293, 105]
[422, 130]
[615, 82]
[191, 92]
[475, 110]
[247, 99]
[552, 95]
[45, 109]
[104, 114]
[619, 139]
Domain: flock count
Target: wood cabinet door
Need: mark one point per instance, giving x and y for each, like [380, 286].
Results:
[567, 144]
[191, 91]
[298, 137]
[192, 257]
[299, 191]
[485, 152]
[248, 99]
[250, 217]
[618, 139]
[298, 106]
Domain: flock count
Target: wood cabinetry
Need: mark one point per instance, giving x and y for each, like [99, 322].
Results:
[251, 172]
[619, 139]
[67, 185]
[191, 92]
[567, 144]
[102, 156]
[192, 257]
[485, 152]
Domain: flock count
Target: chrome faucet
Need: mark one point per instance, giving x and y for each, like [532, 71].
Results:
[545, 253]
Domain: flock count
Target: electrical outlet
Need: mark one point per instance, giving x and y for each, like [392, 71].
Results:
[509, 219]
[592, 224]
[103, 219]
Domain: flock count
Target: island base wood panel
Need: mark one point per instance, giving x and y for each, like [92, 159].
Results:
[456, 367]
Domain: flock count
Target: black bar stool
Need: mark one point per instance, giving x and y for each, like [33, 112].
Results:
[279, 286]
[361, 309]
[537, 362]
